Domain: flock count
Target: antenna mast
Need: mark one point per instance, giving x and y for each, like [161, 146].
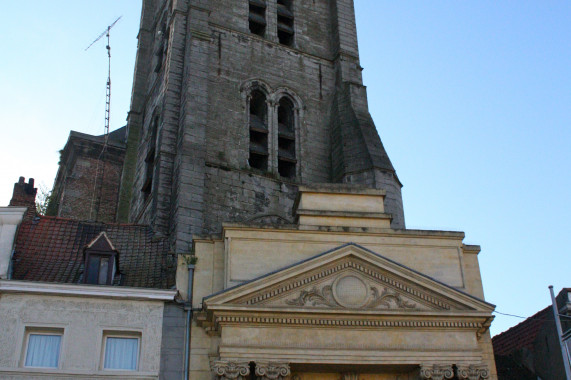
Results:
[97, 190]
[106, 33]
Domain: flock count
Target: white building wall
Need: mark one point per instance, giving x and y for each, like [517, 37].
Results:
[84, 322]
[10, 218]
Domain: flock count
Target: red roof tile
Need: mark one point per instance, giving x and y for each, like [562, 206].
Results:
[50, 249]
[521, 335]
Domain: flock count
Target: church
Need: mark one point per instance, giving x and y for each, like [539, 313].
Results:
[269, 212]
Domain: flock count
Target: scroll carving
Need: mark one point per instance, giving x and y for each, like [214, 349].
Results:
[473, 372]
[386, 299]
[225, 370]
[436, 372]
[272, 371]
[315, 297]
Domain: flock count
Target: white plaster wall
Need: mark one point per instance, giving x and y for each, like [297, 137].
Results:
[84, 321]
[10, 218]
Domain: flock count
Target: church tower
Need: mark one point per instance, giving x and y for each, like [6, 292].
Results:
[236, 103]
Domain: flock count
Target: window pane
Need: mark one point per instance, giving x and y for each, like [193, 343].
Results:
[121, 353]
[103, 267]
[43, 351]
[93, 270]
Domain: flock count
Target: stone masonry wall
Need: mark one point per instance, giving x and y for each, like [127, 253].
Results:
[76, 192]
[202, 176]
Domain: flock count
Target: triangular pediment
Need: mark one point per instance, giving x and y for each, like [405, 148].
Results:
[348, 278]
[101, 243]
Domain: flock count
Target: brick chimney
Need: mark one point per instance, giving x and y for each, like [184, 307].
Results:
[25, 196]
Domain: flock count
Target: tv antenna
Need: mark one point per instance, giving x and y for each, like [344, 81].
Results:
[106, 33]
[98, 184]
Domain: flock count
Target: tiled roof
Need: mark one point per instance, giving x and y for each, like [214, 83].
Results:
[50, 249]
[520, 336]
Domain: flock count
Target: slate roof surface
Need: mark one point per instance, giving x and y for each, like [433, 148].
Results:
[520, 336]
[50, 249]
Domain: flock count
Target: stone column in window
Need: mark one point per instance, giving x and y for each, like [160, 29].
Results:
[436, 372]
[272, 370]
[473, 372]
[229, 370]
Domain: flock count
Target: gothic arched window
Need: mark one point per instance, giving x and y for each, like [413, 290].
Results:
[285, 22]
[286, 138]
[258, 131]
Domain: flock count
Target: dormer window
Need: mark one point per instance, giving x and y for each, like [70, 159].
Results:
[101, 261]
[257, 17]
[285, 22]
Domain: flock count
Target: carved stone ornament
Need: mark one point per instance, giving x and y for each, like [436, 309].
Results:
[272, 371]
[350, 376]
[436, 372]
[351, 292]
[473, 372]
[230, 370]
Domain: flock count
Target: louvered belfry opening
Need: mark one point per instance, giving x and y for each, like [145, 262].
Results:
[286, 139]
[150, 157]
[257, 17]
[285, 22]
[258, 131]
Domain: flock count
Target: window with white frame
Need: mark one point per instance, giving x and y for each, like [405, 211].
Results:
[43, 348]
[121, 351]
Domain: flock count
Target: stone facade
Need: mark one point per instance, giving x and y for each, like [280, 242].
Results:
[198, 66]
[340, 291]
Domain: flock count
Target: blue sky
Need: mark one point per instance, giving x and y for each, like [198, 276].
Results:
[471, 99]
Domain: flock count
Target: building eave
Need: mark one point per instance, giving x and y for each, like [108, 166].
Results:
[92, 291]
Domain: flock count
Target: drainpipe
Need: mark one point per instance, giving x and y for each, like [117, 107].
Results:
[11, 265]
[190, 268]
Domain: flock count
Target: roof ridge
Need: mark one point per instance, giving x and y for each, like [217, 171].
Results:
[527, 320]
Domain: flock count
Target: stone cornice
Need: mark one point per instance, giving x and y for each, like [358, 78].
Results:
[49, 373]
[11, 215]
[114, 292]
[364, 322]
[434, 234]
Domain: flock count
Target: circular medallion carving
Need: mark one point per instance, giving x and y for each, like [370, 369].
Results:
[350, 291]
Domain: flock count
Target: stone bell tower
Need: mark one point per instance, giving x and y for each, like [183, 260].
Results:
[236, 103]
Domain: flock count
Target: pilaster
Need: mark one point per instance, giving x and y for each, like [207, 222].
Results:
[229, 370]
[272, 370]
